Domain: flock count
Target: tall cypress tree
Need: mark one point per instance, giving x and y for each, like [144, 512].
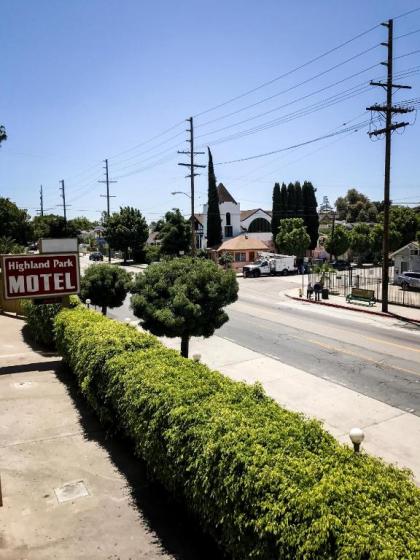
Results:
[291, 201]
[276, 212]
[283, 201]
[214, 223]
[298, 201]
[310, 217]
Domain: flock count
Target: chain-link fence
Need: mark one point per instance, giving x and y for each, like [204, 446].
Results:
[341, 283]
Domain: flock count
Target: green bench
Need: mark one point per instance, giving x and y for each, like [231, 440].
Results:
[358, 294]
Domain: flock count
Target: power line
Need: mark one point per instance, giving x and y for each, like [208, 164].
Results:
[288, 73]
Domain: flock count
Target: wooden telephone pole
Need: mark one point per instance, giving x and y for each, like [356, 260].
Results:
[192, 174]
[107, 181]
[387, 110]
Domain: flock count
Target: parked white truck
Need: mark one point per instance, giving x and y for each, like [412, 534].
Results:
[269, 263]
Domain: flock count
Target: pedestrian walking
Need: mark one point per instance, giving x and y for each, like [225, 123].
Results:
[317, 290]
[309, 291]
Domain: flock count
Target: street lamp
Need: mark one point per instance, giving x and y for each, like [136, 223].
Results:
[181, 192]
[357, 436]
[88, 302]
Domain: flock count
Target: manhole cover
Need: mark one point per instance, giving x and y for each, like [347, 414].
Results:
[23, 384]
[71, 491]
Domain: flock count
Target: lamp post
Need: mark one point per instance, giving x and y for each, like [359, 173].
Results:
[356, 435]
[88, 302]
[192, 222]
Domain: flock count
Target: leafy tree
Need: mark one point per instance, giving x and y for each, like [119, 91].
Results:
[152, 254]
[184, 297]
[404, 220]
[360, 240]
[175, 233]
[356, 207]
[376, 238]
[106, 285]
[127, 229]
[14, 222]
[276, 210]
[226, 259]
[293, 238]
[81, 223]
[214, 222]
[52, 226]
[339, 243]
[311, 218]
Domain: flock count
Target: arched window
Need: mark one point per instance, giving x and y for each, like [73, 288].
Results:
[259, 225]
[228, 219]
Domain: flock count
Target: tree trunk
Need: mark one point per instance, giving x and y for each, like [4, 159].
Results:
[103, 309]
[185, 342]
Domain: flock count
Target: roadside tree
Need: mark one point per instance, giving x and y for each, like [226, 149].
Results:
[292, 237]
[106, 285]
[339, 243]
[14, 222]
[183, 298]
[127, 229]
[52, 226]
[376, 238]
[175, 234]
[276, 211]
[310, 214]
[214, 223]
[360, 240]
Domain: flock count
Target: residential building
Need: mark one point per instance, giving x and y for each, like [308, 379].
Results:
[406, 259]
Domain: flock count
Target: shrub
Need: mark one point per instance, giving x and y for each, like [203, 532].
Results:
[40, 320]
[266, 482]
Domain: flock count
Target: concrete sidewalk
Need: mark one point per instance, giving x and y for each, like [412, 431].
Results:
[390, 432]
[69, 492]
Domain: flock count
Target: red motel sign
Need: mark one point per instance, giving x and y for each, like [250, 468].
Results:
[33, 276]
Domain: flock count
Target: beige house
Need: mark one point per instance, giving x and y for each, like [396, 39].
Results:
[243, 248]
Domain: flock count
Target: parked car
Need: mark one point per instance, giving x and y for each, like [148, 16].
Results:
[96, 256]
[408, 280]
[341, 265]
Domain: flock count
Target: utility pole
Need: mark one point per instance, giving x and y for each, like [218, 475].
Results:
[388, 110]
[41, 199]
[63, 196]
[107, 196]
[192, 174]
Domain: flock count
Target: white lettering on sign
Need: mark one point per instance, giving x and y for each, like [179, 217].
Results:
[16, 284]
[69, 285]
[46, 280]
[32, 283]
[58, 281]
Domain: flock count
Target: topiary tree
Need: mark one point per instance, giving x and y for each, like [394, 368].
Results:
[276, 211]
[293, 238]
[183, 297]
[339, 243]
[106, 285]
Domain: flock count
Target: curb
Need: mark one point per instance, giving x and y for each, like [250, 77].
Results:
[339, 306]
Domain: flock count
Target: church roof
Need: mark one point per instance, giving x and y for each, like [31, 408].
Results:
[247, 213]
[224, 195]
[200, 218]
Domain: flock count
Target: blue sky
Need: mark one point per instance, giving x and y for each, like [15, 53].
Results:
[89, 79]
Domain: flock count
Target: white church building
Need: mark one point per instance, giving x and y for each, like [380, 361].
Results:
[254, 223]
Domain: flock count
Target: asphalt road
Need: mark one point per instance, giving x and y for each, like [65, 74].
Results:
[377, 357]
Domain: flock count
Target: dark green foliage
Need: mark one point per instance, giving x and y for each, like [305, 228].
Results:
[292, 238]
[127, 229]
[404, 220]
[152, 254]
[356, 207]
[53, 226]
[298, 201]
[183, 298]
[360, 240]
[310, 214]
[8, 246]
[214, 223]
[175, 234]
[283, 202]
[291, 201]
[40, 320]
[14, 222]
[376, 237]
[3, 134]
[106, 285]
[267, 483]
[338, 244]
[276, 211]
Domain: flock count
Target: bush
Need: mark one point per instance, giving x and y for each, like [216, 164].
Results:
[266, 482]
[40, 320]
[151, 254]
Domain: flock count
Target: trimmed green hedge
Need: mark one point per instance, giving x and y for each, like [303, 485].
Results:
[267, 483]
[40, 320]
